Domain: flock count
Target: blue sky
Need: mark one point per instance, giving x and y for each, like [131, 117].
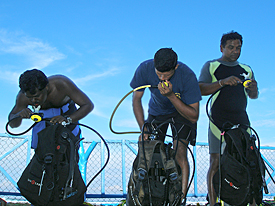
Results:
[99, 44]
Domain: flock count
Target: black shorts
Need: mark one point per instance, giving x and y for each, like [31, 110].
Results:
[181, 128]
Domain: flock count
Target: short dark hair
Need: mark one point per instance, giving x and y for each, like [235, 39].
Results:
[165, 59]
[33, 80]
[231, 36]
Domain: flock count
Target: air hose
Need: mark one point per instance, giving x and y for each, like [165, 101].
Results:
[21, 133]
[36, 117]
[119, 103]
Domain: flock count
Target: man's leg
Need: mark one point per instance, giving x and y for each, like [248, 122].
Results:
[253, 203]
[214, 166]
[182, 160]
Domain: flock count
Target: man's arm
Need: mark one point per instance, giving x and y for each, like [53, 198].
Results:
[20, 110]
[139, 112]
[137, 107]
[210, 88]
[190, 112]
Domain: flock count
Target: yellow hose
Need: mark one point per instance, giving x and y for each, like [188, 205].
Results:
[112, 116]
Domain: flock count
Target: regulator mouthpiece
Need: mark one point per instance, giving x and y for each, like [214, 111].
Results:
[164, 83]
[36, 117]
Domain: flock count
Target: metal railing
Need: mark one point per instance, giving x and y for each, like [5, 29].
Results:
[111, 185]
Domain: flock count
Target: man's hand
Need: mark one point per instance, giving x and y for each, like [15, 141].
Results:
[58, 119]
[145, 137]
[231, 81]
[24, 114]
[252, 86]
[165, 88]
[252, 89]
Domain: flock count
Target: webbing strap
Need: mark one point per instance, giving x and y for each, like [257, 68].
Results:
[237, 142]
[149, 147]
[69, 183]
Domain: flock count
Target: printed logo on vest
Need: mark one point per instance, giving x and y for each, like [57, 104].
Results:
[231, 184]
[246, 76]
[33, 182]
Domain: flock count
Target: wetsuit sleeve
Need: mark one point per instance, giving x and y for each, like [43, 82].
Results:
[205, 76]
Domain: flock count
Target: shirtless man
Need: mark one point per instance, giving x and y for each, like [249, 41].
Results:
[55, 96]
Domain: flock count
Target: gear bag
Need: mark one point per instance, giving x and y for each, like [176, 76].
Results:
[52, 178]
[242, 169]
[156, 178]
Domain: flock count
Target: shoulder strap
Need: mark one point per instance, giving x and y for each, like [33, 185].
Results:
[46, 141]
[67, 135]
[172, 175]
[168, 161]
[236, 140]
[146, 150]
[145, 154]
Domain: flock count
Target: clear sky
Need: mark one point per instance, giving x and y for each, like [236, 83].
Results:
[99, 44]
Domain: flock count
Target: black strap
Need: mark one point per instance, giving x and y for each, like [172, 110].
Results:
[68, 186]
[237, 142]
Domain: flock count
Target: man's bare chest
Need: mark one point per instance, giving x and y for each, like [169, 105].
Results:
[55, 102]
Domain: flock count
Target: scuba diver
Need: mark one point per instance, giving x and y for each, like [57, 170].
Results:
[53, 97]
[177, 96]
[231, 101]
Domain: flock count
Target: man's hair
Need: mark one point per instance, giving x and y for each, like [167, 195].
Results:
[33, 80]
[231, 36]
[165, 59]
